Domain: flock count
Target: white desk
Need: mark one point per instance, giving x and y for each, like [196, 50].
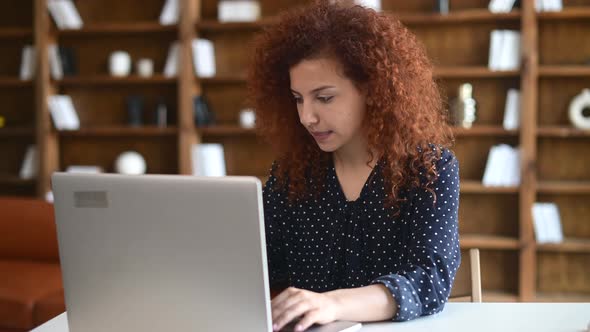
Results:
[458, 317]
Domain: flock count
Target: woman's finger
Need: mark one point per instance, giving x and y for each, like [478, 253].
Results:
[310, 318]
[291, 313]
[279, 308]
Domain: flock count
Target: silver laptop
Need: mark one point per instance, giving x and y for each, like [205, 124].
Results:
[164, 252]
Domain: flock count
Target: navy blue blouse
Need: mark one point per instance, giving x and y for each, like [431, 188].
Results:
[326, 243]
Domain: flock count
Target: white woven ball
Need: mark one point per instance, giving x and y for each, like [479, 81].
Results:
[130, 163]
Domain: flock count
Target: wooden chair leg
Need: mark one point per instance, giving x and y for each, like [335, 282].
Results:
[475, 275]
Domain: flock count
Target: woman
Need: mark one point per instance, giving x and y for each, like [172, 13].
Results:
[361, 205]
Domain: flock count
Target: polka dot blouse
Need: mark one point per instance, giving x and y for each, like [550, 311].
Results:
[330, 243]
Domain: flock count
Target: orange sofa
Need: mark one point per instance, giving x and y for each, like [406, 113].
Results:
[31, 290]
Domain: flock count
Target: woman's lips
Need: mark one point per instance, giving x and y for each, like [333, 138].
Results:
[321, 135]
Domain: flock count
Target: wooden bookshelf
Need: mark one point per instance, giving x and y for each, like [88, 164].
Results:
[497, 220]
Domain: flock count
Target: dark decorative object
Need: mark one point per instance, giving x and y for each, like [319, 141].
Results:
[69, 61]
[442, 6]
[203, 116]
[135, 110]
[161, 113]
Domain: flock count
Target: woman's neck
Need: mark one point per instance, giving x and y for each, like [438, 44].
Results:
[353, 156]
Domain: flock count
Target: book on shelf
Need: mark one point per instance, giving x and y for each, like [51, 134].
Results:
[547, 223]
[29, 167]
[208, 159]
[512, 110]
[171, 65]
[238, 11]
[502, 167]
[501, 6]
[548, 5]
[28, 63]
[64, 14]
[55, 65]
[68, 60]
[504, 50]
[170, 12]
[63, 113]
[203, 57]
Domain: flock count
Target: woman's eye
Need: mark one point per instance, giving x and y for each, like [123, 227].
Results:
[325, 100]
[298, 100]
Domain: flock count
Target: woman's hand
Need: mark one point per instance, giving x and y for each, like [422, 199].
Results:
[313, 308]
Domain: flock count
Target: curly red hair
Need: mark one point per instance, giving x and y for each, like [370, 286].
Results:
[405, 118]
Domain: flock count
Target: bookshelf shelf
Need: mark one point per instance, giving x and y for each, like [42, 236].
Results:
[238, 79]
[498, 296]
[214, 25]
[482, 130]
[569, 245]
[6, 33]
[564, 71]
[473, 72]
[12, 180]
[120, 132]
[562, 297]
[225, 130]
[469, 241]
[476, 187]
[15, 82]
[562, 132]
[118, 28]
[568, 13]
[110, 80]
[459, 16]
[16, 131]
[564, 187]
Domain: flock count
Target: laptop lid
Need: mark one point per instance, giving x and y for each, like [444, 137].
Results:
[162, 252]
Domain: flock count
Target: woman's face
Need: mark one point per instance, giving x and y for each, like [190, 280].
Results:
[330, 106]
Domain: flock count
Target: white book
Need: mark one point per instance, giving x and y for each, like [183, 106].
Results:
[503, 174]
[171, 66]
[73, 19]
[514, 166]
[28, 63]
[63, 113]
[552, 5]
[496, 42]
[203, 57]
[539, 5]
[238, 11]
[494, 6]
[55, 65]
[512, 110]
[170, 13]
[492, 166]
[501, 6]
[208, 159]
[513, 42]
[56, 11]
[510, 50]
[540, 223]
[551, 213]
[30, 165]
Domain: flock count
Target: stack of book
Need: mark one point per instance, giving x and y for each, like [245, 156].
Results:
[548, 5]
[29, 167]
[65, 14]
[547, 223]
[503, 167]
[203, 53]
[504, 50]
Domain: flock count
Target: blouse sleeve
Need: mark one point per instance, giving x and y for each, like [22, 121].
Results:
[275, 205]
[423, 284]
